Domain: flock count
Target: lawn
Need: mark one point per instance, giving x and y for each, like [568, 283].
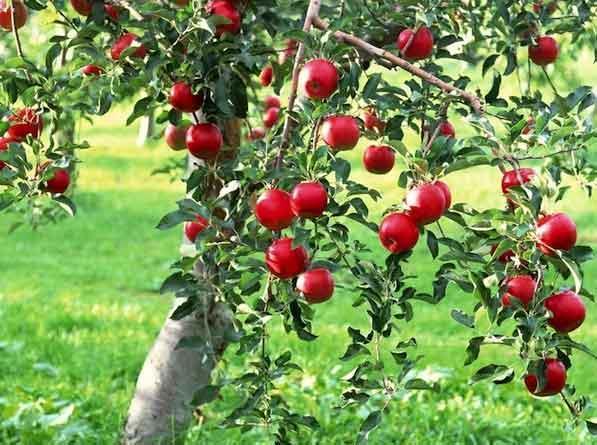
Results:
[79, 309]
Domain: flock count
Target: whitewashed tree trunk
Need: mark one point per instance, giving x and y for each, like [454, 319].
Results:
[146, 128]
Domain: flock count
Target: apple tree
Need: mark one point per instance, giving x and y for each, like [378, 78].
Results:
[272, 216]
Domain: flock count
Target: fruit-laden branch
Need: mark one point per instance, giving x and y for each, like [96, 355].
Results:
[473, 100]
[311, 16]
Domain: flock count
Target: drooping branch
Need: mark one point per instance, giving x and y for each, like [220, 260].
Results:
[471, 99]
[311, 16]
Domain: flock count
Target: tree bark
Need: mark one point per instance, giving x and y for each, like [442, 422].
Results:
[161, 411]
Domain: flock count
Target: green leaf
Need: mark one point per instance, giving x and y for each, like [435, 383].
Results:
[205, 395]
[463, 318]
[353, 350]
[420, 384]
[489, 371]
[370, 423]
[432, 244]
[592, 427]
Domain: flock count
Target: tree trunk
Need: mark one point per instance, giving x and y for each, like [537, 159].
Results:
[161, 411]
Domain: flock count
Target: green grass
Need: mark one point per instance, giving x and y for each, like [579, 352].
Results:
[79, 309]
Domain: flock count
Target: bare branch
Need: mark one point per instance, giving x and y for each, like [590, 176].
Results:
[311, 16]
[472, 100]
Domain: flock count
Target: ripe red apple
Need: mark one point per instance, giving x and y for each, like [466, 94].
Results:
[92, 70]
[59, 182]
[112, 11]
[25, 122]
[204, 140]
[567, 311]
[378, 159]
[176, 136]
[398, 232]
[426, 203]
[341, 132]
[515, 178]
[126, 41]
[545, 51]
[551, 7]
[226, 9]
[372, 121]
[266, 76]
[288, 52]
[554, 376]
[192, 229]
[555, 231]
[317, 285]
[273, 209]
[256, 134]
[270, 117]
[447, 129]
[309, 199]
[318, 79]
[504, 257]
[446, 191]
[183, 99]
[285, 262]
[6, 14]
[4, 141]
[521, 287]
[421, 46]
[272, 102]
[83, 7]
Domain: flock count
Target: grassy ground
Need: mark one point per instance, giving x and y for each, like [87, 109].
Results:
[79, 309]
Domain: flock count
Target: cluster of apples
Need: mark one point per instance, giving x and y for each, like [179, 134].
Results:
[28, 122]
[276, 210]
[271, 105]
[425, 204]
[554, 232]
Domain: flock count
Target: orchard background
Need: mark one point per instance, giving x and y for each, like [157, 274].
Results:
[80, 298]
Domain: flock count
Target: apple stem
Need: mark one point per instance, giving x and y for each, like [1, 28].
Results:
[473, 100]
[15, 32]
[64, 16]
[310, 17]
[569, 405]
[551, 84]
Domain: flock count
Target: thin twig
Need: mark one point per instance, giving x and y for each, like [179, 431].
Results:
[350, 39]
[15, 32]
[64, 16]
[538, 158]
[311, 16]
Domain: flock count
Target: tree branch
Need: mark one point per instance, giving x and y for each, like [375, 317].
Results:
[549, 155]
[15, 32]
[472, 100]
[311, 16]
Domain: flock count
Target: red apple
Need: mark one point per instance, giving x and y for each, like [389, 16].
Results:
[554, 376]
[318, 79]
[426, 203]
[4, 146]
[446, 191]
[204, 140]
[398, 232]
[23, 123]
[447, 129]
[6, 14]
[256, 134]
[270, 117]
[515, 178]
[309, 199]
[183, 99]
[378, 159]
[59, 182]
[567, 311]
[112, 11]
[317, 285]
[551, 7]
[176, 136]
[83, 7]
[273, 209]
[341, 132]
[226, 9]
[92, 70]
[266, 76]
[545, 51]
[272, 102]
[504, 257]
[126, 41]
[372, 121]
[521, 287]
[555, 231]
[421, 45]
[288, 52]
[192, 229]
[285, 262]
